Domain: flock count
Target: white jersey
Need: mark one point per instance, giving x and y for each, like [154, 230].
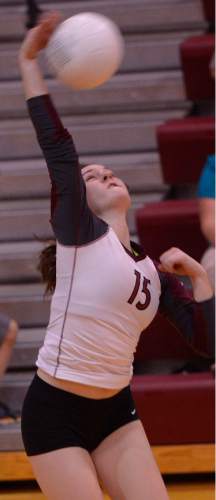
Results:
[104, 298]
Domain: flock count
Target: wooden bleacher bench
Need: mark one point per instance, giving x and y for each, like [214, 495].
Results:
[137, 16]
[144, 52]
[28, 179]
[18, 262]
[141, 92]
[25, 302]
[28, 220]
[93, 134]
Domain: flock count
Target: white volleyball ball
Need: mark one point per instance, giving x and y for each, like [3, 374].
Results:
[85, 50]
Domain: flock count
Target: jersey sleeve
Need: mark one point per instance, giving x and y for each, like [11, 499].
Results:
[72, 220]
[194, 320]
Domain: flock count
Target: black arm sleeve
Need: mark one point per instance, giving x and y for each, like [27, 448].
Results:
[72, 220]
[194, 320]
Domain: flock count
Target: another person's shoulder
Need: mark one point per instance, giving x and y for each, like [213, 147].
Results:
[206, 186]
[209, 167]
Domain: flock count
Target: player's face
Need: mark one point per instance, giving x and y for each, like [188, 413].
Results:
[104, 190]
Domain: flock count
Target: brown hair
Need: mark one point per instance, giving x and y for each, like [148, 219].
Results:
[47, 267]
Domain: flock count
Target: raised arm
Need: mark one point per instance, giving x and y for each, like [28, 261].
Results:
[193, 316]
[72, 221]
[36, 39]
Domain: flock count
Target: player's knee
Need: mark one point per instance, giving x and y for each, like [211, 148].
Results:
[12, 331]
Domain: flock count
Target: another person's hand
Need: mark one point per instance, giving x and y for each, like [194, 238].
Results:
[37, 38]
[178, 262]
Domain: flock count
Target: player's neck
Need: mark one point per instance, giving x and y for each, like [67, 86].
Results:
[120, 226]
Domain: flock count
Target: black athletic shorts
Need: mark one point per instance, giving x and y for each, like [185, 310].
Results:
[53, 419]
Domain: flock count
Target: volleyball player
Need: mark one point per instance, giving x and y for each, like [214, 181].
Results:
[79, 423]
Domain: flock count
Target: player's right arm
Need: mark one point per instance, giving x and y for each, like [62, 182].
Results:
[36, 39]
[72, 220]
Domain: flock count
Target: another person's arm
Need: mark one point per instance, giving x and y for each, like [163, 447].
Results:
[193, 316]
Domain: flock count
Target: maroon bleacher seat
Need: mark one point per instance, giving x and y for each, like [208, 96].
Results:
[184, 145]
[176, 409]
[165, 224]
[196, 53]
[209, 10]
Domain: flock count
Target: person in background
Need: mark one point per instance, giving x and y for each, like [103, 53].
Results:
[8, 335]
[206, 195]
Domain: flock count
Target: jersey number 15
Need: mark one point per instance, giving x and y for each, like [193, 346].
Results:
[145, 282]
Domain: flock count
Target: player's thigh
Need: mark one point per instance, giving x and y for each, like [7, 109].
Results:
[126, 466]
[67, 474]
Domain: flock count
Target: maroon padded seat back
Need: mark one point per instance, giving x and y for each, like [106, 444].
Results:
[176, 409]
[165, 224]
[209, 10]
[196, 53]
[184, 145]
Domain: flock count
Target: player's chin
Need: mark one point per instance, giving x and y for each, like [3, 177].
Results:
[120, 198]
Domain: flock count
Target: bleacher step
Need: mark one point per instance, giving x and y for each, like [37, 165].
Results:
[26, 348]
[144, 52]
[137, 16]
[29, 219]
[18, 262]
[93, 134]
[24, 220]
[137, 91]
[10, 437]
[26, 303]
[30, 179]
[13, 388]
[19, 259]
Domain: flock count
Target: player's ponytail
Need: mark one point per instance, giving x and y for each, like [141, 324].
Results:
[47, 267]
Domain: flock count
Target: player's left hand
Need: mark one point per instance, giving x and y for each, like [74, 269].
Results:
[178, 262]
